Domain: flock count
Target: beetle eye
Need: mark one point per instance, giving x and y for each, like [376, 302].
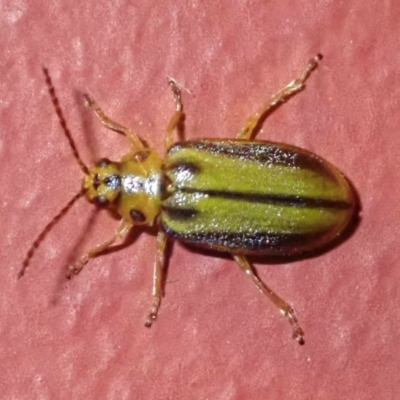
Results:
[96, 181]
[137, 216]
[101, 201]
[141, 156]
[103, 162]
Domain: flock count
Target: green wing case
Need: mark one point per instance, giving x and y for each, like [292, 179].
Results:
[253, 197]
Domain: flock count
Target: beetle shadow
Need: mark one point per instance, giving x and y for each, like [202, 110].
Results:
[131, 239]
[80, 249]
[77, 248]
[88, 126]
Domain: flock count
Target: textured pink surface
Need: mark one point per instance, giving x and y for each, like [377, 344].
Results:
[216, 336]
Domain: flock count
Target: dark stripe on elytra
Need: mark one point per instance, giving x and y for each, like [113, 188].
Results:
[273, 199]
[180, 167]
[262, 152]
[261, 241]
[178, 213]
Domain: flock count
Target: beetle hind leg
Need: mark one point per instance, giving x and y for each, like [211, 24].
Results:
[284, 307]
[247, 132]
[157, 279]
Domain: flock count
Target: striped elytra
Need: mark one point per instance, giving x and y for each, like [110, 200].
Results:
[254, 197]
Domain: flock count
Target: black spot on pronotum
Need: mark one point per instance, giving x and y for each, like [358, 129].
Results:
[137, 215]
[101, 201]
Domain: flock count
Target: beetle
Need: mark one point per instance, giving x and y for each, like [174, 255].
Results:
[238, 196]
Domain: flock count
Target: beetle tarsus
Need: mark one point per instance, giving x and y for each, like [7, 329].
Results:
[89, 102]
[298, 333]
[312, 64]
[152, 315]
[176, 92]
[150, 318]
[76, 268]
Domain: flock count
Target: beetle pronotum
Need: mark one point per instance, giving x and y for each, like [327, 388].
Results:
[238, 196]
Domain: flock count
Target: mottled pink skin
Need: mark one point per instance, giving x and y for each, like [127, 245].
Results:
[216, 337]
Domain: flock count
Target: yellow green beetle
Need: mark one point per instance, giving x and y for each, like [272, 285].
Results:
[238, 196]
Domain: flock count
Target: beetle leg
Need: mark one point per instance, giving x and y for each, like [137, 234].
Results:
[136, 142]
[121, 231]
[176, 117]
[285, 308]
[157, 278]
[247, 132]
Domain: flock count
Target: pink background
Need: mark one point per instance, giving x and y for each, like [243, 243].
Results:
[216, 337]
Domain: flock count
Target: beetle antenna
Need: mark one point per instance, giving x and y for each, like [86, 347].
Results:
[62, 120]
[46, 230]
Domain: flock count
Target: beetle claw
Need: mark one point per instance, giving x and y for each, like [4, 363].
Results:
[298, 333]
[74, 269]
[152, 315]
[150, 318]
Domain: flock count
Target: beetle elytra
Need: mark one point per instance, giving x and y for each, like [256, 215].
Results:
[238, 196]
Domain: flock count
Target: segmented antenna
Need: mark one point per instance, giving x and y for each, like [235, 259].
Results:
[63, 123]
[45, 231]
[82, 165]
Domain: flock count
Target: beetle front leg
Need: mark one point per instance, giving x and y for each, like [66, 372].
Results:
[157, 278]
[284, 307]
[288, 91]
[121, 231]
[176, 117]
[136, 142]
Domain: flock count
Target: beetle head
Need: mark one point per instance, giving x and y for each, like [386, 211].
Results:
[102, 185]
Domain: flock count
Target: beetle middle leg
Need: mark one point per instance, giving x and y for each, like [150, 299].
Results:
[247, 132]
[157, 278]
[121, 231]
[135, 140]
[284, 307]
